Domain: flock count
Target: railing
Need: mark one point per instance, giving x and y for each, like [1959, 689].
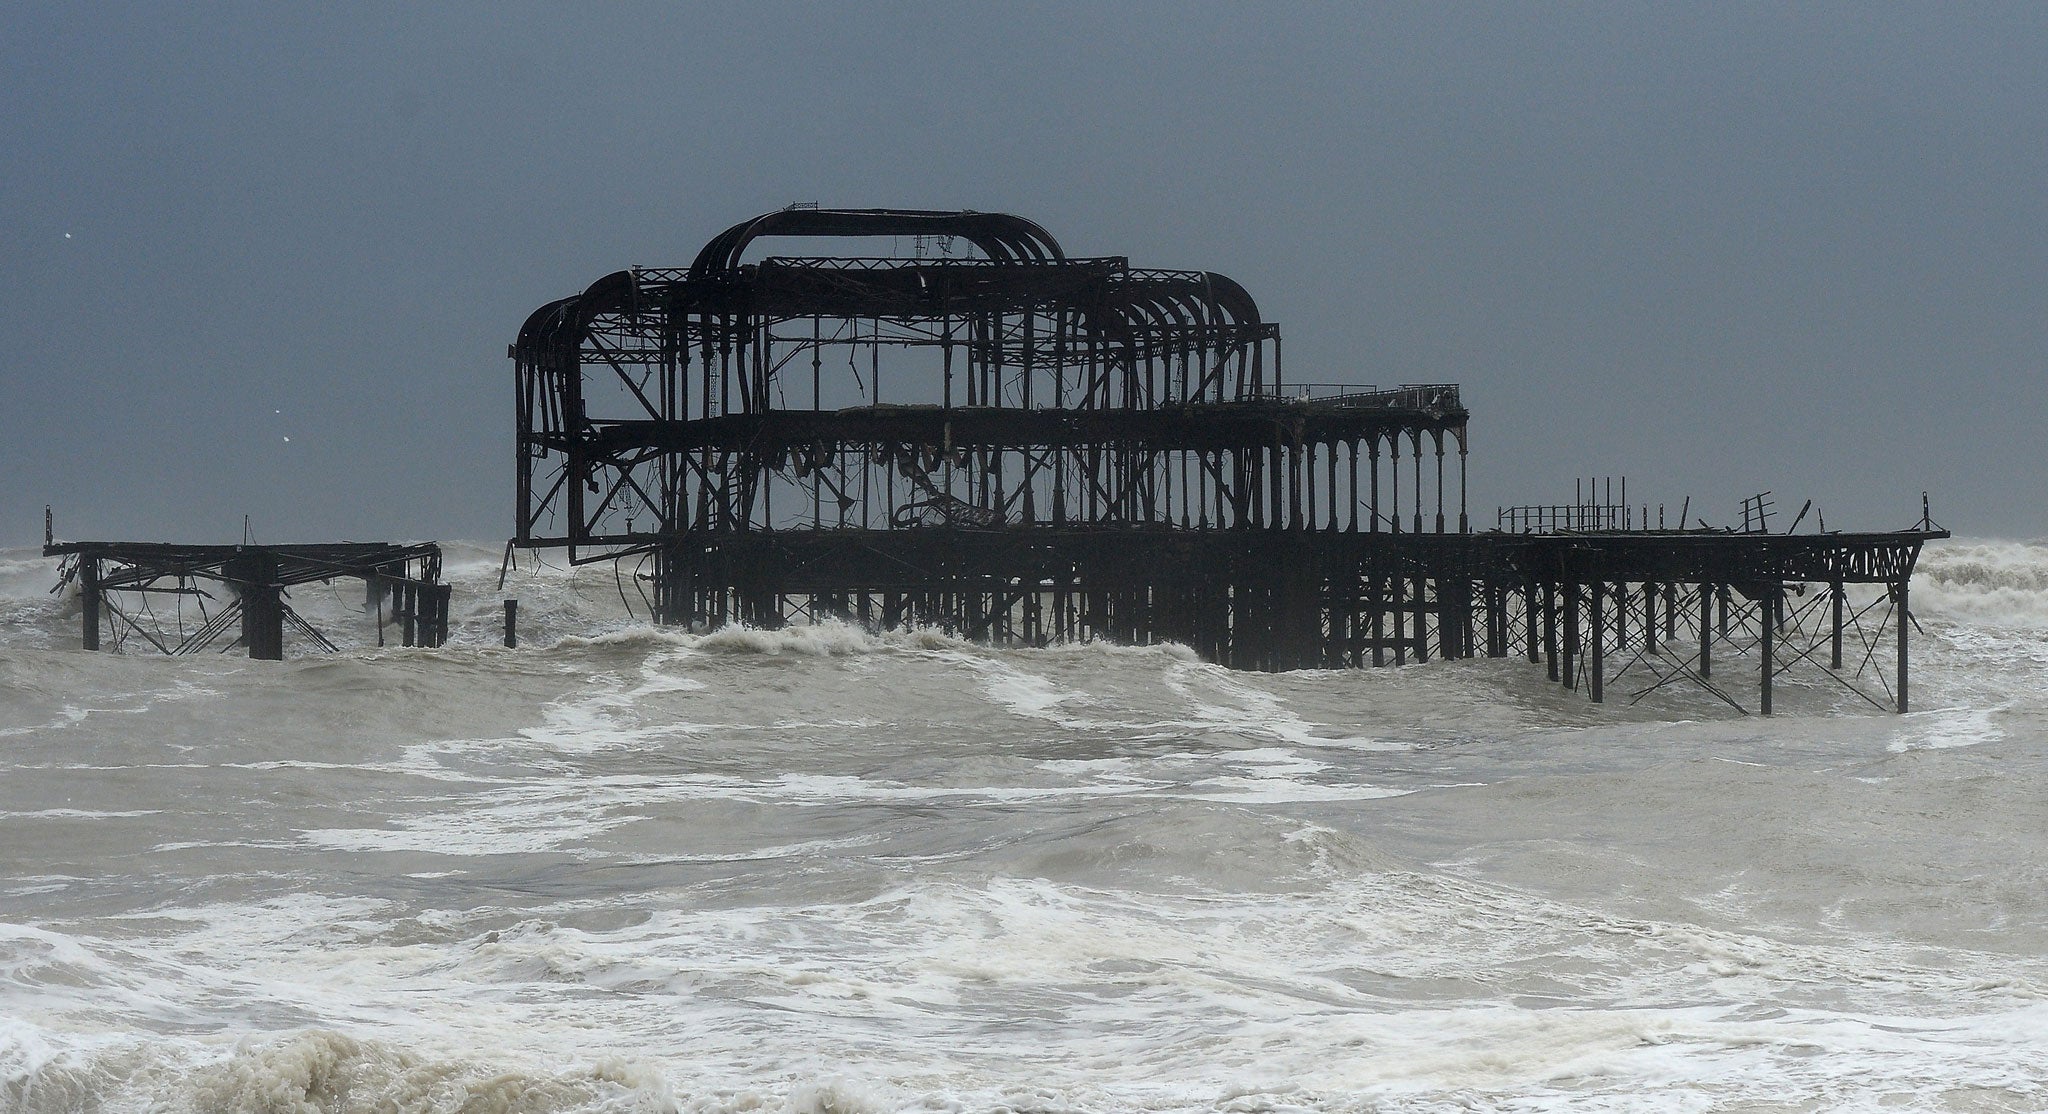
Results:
[1433, 398]
[1572, 517]
[959, 263]
[1318, 391]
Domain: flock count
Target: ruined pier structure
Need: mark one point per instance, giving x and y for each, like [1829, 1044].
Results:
[124, 589]
[980, 432]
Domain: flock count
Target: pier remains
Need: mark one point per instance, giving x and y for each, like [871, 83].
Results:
[122, 587]
[975, 430]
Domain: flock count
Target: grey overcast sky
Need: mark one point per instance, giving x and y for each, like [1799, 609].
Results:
[1715, 248]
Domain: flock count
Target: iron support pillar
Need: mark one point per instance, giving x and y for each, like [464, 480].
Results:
[1900, 620]
[1706, 630]
[1596, 669]
[1767, 627]
[1649, 617]
[1533, 632]
[254, 576]
[1401, 620]
[408, 611]
[1620, 617]
[1835, 645]
[1569, 660]
[89, 600]
[1550, 628]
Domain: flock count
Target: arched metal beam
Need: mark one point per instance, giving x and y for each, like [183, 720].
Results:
[1000, 236]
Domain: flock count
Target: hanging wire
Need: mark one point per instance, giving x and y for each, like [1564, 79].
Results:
[619, 580]
[852, 348]
[149, 609]
[644, 557]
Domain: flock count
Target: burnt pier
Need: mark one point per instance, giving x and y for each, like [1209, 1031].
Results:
[979, 432]
[181, 599]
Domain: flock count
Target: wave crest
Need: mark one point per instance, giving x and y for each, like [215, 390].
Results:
[312, 1071]
[1995, 583]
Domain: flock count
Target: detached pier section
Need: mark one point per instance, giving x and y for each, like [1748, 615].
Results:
[123, 587]
[980, 432]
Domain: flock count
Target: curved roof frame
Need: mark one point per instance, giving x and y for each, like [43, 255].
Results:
[1000, 236]
[1136, 298]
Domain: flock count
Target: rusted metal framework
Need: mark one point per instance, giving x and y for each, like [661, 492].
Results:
[1017, 387]
[725, 418]
[1653, 608]
[974, 430]
[137, 592]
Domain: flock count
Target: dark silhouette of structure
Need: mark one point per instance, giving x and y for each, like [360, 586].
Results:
[979, 432]
[247, 587]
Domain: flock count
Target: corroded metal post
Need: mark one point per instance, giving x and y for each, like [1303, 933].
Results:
[1568, 666]
[254, 576]
[1650, 617]
[1550, 628]
[1901, 620]
[1596, 669]
[1835, 601]
[1767, 627]
[89, 600]
[1706, 631]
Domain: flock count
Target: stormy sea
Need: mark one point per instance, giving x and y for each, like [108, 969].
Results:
[627, 868]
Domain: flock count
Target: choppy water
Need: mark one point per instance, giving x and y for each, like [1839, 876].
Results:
[819, 870]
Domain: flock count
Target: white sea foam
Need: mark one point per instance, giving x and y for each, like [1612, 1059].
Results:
[1022, 693]
[1941, 728]
[1254, 711]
